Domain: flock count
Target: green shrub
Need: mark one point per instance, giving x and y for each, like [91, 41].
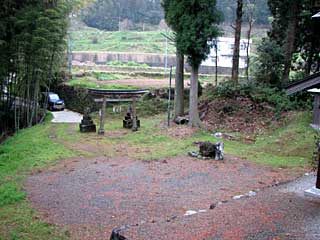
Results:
[259, 94]
[268, 65]
[94, 40]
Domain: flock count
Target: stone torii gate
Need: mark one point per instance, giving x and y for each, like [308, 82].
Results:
[117, 96]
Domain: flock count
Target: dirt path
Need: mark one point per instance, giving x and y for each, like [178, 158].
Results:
[93, 196]
[143, 83]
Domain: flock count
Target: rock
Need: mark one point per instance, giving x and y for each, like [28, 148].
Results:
[181, 120]
[212, 206]
[202, 211]
[251, 194]
[238, 197]
[207, 149]
[217, 134]
[190, 212]
[193, 154]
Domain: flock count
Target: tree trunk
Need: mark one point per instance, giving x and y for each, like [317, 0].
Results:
[216, 62]
[194, 119]
[236, 50]
[179, 87]
[290, 39]
[250, 25]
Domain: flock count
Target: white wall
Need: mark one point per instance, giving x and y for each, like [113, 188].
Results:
[225, 53]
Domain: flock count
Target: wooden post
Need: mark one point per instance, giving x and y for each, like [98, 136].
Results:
[103, 109]
[318, 173]
[169, 97]
[316, 110]
[134, 115]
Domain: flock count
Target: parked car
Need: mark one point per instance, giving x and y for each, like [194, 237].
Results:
[54, 102]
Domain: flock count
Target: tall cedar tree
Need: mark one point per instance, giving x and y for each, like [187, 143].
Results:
[195, 24]
[179, 76]
[237, 36]
[297, 34]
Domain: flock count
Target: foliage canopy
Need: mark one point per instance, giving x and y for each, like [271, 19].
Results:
[32, 44]
[195, 24]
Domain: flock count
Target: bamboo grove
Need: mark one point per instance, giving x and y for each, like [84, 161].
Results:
[32, 49]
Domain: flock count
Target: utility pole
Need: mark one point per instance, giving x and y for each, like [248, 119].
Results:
[166, 54]
[119, 20]
[169, 97]
[70, 47]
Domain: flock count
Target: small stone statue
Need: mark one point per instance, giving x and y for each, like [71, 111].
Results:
[210, 150]
[87, 124]
[128, 120]
[219, 151]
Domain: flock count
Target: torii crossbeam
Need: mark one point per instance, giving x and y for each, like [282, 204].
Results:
[117, 96]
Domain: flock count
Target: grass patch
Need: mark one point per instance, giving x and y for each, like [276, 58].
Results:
[28, 150]
[20, 222]
[127, 41]
[89, 82]
[105, 76]
[289, 146]
[10, 193]
[127, 64]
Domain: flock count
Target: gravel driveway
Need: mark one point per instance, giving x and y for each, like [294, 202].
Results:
[66, 116]
[93, 196]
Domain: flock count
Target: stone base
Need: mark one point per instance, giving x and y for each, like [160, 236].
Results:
[129, 123]
[101, 132]
[312, 192]
[87, 128]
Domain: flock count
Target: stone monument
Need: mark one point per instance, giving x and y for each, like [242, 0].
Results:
[87, 124]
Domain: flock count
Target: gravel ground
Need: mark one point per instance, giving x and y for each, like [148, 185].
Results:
[66, 116]
[274, 213]
[93, 196]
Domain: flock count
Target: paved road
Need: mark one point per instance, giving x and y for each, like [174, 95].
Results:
[66, 116]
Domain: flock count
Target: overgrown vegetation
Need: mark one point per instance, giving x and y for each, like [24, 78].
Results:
[259, 94]
[32, 44]
[292, 43]
[268, 65]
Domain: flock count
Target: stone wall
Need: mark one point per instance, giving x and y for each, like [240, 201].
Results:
[153, 60]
